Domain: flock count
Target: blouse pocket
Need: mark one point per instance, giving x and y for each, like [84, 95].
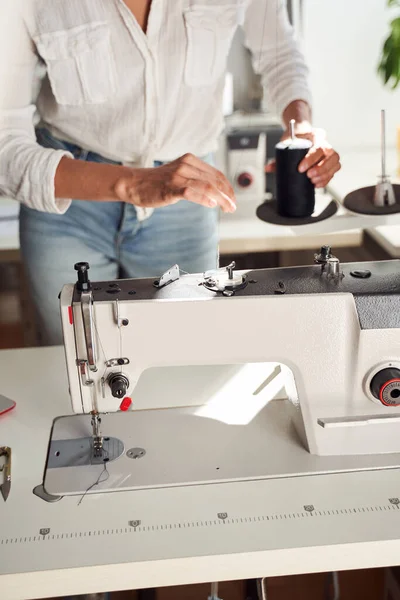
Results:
[80, 64]
[209, 31]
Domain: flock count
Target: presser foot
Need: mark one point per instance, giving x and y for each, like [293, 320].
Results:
[98, 447]
[97, 439]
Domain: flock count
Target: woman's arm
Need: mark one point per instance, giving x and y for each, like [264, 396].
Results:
[278, 59]
[187, 178]
[78, 179]
[301, 112]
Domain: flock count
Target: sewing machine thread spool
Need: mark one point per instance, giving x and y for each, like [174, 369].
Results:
[295, 192]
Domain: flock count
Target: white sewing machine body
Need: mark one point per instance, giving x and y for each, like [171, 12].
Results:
[187, 345]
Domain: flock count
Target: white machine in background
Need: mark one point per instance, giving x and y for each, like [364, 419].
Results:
[211, 347]
[245, 147]
[246, 163]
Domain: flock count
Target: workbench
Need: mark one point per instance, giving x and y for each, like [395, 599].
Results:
[174, 536]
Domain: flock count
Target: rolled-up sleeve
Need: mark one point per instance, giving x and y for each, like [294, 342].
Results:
[27, 170]
[276, 53]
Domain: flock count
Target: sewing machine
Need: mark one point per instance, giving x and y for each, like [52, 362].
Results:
[218, 348]
[248, 419]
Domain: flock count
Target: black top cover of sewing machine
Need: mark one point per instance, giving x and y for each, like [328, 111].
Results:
[374, 285]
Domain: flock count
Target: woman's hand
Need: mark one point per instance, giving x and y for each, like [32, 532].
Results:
[321, 162]
[187, 178]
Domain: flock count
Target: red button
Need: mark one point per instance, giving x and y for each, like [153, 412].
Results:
[125, 404]
[245, 180]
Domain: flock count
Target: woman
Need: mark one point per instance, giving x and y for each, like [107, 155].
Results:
[112, 163]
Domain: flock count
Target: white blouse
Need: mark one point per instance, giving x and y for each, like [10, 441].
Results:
[132, 97]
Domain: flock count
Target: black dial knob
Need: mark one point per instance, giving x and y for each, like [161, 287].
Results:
[385, 386]
[322, 257]
[119, 385]
[325, 251]
[83, 283]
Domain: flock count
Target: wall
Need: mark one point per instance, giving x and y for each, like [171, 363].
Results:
[342, 43]
[342, 40]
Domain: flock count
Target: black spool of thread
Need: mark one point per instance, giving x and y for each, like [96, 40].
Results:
[295, 192]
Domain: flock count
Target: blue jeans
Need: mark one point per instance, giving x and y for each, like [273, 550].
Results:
[109, 236]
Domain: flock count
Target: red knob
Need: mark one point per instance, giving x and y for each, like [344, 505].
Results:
[245, 179]
[125, 404]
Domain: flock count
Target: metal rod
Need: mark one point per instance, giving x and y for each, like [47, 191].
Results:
[214, 591]
[262, 589]
[88, 328]
[383, 143]
[292, 126]
[336, 587]
[332, 587]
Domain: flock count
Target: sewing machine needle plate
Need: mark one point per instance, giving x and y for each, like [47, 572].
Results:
[180, 447]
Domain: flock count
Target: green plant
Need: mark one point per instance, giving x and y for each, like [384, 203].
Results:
[389, 66]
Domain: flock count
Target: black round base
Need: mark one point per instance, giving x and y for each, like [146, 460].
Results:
[362, 202]
[268, 212]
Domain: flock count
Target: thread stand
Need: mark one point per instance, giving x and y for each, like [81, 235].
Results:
[362, 202]
[268, 212]
[381, 199]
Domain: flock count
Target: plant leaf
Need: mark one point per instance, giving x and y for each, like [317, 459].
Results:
[389, 65]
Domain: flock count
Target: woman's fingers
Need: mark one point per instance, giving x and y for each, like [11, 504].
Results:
[323, 172]
[210, 173]
[207, 194]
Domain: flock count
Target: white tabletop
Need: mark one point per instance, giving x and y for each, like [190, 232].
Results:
[245, 233]
[388, 237]
[163, 537]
